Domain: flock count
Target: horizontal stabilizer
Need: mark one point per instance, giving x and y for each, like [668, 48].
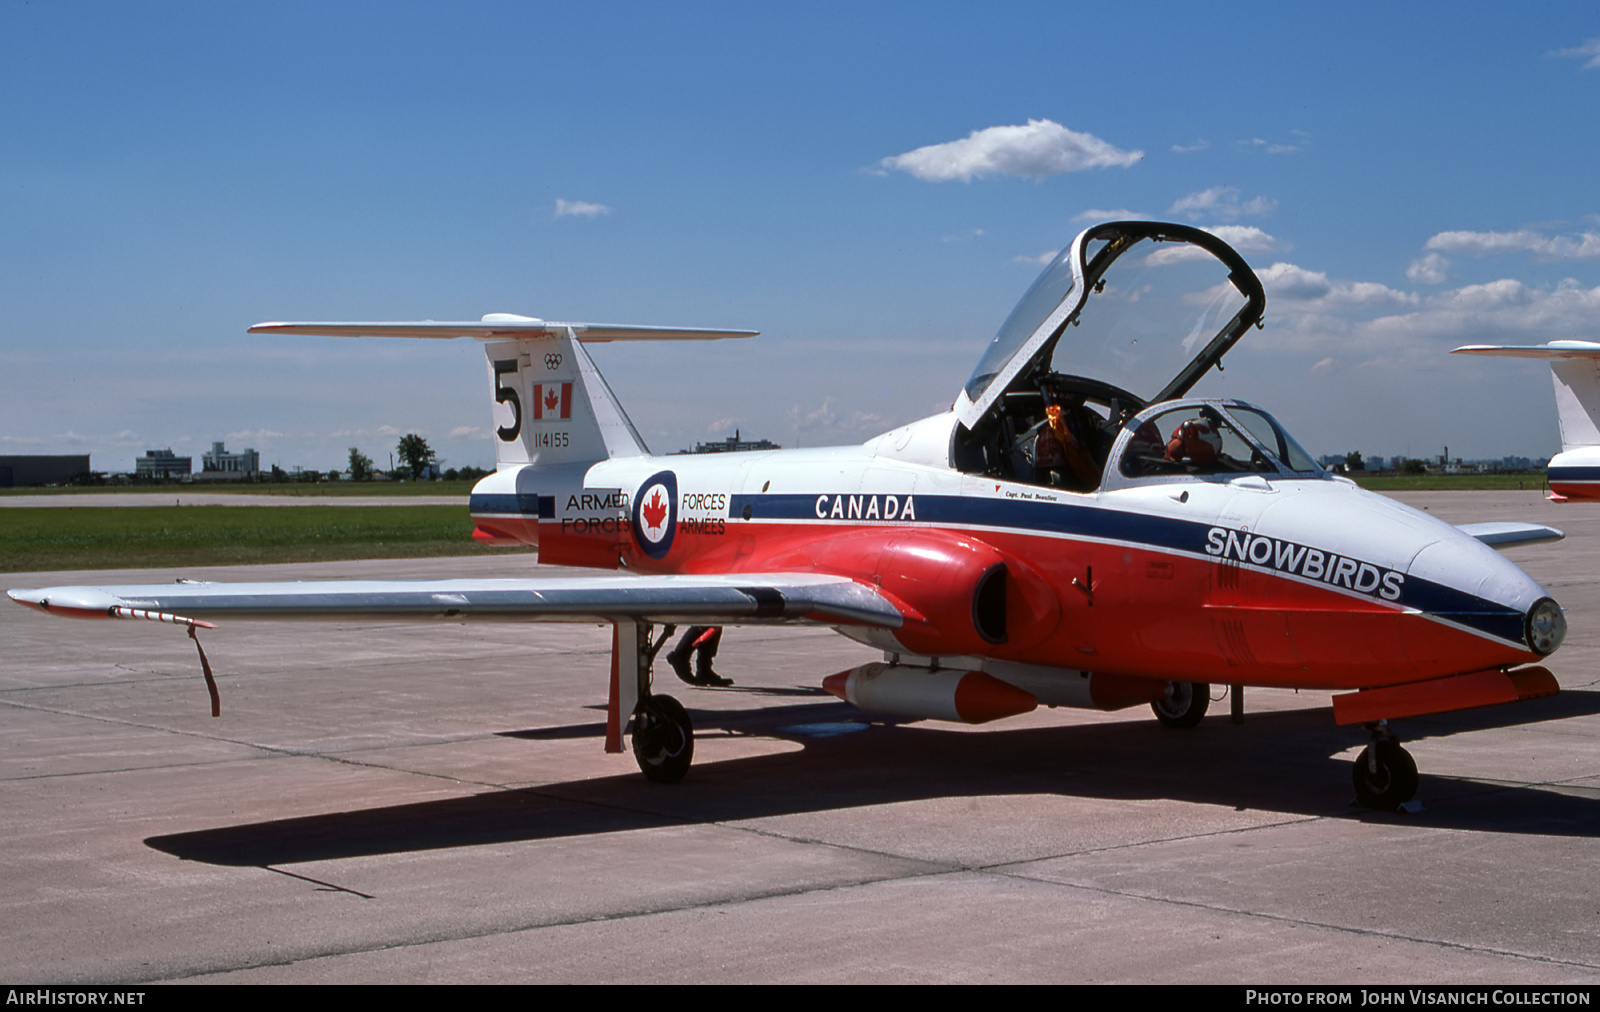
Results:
[1503, 534]
[502, 326]
[1555, 349]
[741, 599]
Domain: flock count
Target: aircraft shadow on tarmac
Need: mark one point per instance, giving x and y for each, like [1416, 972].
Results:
[1282, 761]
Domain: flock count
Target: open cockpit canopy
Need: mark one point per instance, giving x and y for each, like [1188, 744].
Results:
[1131, 314]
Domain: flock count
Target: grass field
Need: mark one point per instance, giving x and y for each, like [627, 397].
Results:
[68, 537]
[331, 488]
[1453, 482]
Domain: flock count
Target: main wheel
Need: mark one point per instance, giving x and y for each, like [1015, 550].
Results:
[663, 740]
[1184, 706]
[1385, 776]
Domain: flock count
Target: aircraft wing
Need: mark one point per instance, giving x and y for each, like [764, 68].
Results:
[1505, 534]
[741, 599]
[1555, 349]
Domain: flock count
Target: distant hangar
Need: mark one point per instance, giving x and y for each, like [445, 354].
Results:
[42, 469]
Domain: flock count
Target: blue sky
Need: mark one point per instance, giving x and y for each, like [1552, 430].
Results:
[1406, 178]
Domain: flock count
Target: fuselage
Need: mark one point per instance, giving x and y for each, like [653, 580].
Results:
[1245, 579]
[1575, 474]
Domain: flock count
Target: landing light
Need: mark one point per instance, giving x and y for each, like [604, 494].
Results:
[1547, 626]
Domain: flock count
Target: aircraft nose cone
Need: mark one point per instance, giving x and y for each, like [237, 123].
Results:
[1468, 583]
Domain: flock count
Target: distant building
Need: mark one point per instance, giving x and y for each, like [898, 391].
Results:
[733, 444]
[42, 469]
[162, 465]
[219, 462]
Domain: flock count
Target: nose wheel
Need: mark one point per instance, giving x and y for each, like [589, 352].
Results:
[1384, 774]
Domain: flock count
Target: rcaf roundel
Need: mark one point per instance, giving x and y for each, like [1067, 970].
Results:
[655, 513]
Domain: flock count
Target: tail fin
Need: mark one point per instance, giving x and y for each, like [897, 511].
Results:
[1575, 370]
[552, 406]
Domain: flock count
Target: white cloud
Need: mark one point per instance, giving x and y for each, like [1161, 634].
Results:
[828, 420]
[1368, 321]
[1287, 281]
[1291, 283]
[1245, 239]
[1120, 214]
[580, 209]
[1431, 269]
[1483, 298]
[1183, 149]
[1583, 246]
[1043, 258]
[1590, 51]
[1041, 148]
[1270, 147]
[1223, 202]
[464, 431]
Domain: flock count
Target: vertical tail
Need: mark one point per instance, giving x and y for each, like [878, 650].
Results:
[1577, 383]
[554, 416]
[1575, 370]
[553, 407]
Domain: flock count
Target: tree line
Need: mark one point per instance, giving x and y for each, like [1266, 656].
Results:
[416, 458]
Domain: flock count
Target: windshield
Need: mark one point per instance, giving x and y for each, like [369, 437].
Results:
[1273, 436]
[1197, 438]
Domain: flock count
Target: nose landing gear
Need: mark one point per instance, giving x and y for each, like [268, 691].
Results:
[1384, 774]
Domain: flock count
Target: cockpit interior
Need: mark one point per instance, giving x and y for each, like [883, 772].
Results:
[1127, 306]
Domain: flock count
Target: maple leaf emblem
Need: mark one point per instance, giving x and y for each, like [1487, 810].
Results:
[654, 511]
[551, 399]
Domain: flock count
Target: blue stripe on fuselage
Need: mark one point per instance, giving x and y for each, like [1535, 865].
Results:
[1574, 474]
[526, 504]
[1098, 523]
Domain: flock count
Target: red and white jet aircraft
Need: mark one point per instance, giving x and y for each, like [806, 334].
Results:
[1574, 473]
[1075, 531]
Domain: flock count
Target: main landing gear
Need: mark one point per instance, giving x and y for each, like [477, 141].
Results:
[1384, 774]
[1185, 704]
[663, 739]
[662, 735]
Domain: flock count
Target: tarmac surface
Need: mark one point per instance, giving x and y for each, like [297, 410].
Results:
[432, 803]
